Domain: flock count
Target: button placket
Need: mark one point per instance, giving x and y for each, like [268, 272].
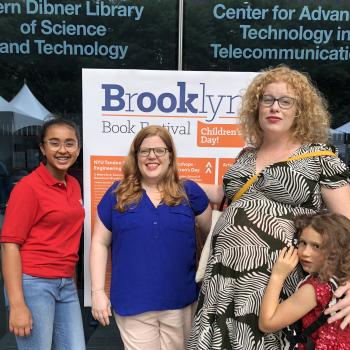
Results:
[155, 223]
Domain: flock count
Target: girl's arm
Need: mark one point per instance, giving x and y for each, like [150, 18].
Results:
[101, 240]
[20, 318]
[275, 316]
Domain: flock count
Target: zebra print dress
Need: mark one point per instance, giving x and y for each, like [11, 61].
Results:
[246, 242]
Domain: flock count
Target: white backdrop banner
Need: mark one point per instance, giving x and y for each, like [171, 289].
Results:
[199, 109]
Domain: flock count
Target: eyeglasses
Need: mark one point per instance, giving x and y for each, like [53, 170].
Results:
[285, 102]
[70, 146]
[158, 151]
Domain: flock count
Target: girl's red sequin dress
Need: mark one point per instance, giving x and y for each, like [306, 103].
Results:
[328, 336]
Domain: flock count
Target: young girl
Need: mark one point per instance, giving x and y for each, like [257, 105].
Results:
[323, 252]
[40, 241]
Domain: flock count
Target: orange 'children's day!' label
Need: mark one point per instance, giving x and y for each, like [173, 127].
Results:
[219, 135]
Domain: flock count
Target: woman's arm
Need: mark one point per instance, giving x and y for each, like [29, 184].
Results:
[20, 320]
[101, 240]
[215, 193]
[273, 315]
[338, 201]
[204, 222]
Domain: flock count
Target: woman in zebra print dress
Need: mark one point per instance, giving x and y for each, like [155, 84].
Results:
[282, 115]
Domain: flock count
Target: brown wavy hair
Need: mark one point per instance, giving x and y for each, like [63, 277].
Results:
[335, 231]
[129, 191]
[312, 124]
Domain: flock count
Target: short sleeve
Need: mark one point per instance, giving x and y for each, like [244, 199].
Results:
[334, 172]
[196, 196]
[106, 206]
[239, 173]
[323, 291]
[21, 214]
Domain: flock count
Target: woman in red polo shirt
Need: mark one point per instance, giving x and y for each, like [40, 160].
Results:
[40, 241]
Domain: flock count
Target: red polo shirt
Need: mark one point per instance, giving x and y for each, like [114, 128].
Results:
[45, 217]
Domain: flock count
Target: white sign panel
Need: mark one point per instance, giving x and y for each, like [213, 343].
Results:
[199, 109]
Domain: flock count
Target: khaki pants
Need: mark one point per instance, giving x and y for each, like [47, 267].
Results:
[156, 330]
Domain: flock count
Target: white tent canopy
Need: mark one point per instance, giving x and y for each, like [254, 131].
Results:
[12, 118]
[344, 128]
[26, 102]
[3, 102]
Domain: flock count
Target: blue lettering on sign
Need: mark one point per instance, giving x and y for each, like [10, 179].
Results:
[110, 97]
[116, 99]
[161, 104]
[141, 104]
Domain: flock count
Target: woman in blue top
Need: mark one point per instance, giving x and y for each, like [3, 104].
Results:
[148, 219]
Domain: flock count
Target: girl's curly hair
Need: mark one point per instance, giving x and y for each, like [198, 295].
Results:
[312, 123]
[335, 231]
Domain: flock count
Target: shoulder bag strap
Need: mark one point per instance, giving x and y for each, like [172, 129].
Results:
[312, 154]
[246, 186]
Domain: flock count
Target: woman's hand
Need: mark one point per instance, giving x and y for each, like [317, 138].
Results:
[100, 242]
[286, 262]
[101, 307]
[20, 320]
[342, 307]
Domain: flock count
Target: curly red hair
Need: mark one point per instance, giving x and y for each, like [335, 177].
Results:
[335, 231]
[312, 124]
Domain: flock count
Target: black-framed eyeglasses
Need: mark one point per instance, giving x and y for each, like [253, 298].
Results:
[158, 151]
[55, 145]
[285, 102]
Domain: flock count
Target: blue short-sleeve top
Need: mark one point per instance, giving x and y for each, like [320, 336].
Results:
[153, 252]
